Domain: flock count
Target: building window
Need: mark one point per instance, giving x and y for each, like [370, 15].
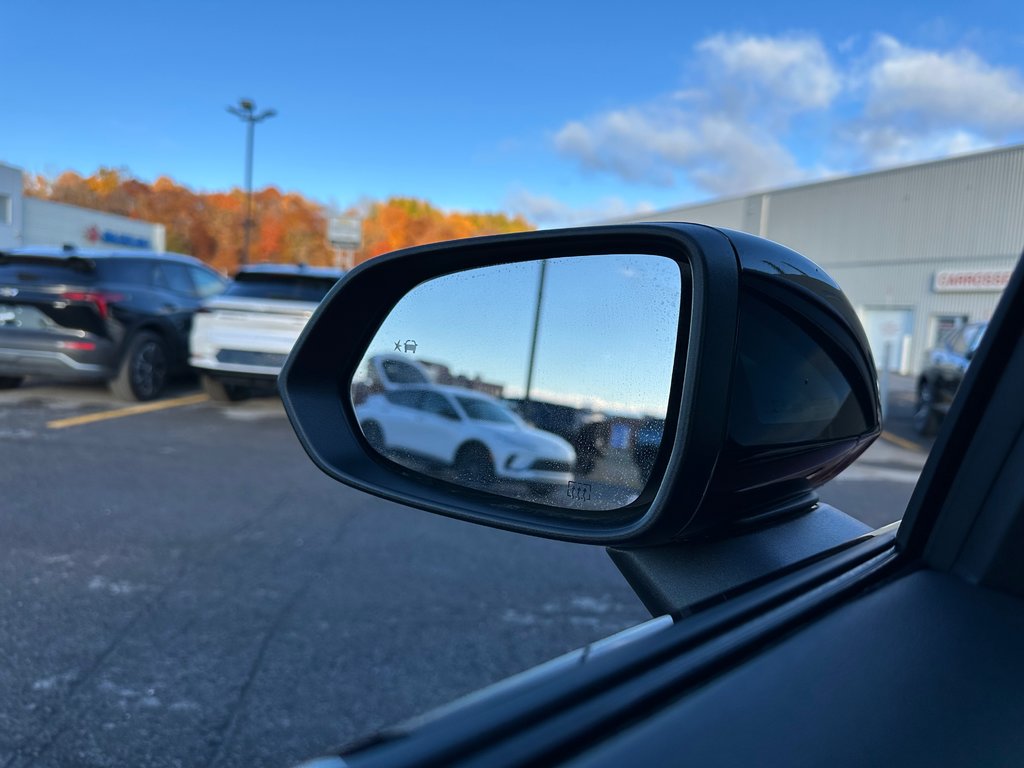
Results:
[5, 209]
[944, 325]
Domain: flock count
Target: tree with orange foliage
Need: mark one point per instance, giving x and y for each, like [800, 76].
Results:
[289, 227]
[205, 225]
[400, 222]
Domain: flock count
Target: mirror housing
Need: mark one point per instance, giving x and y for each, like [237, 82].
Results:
[773, 390]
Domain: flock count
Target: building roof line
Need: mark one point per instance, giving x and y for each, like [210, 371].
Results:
[829, 180]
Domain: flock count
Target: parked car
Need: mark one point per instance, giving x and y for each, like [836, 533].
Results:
[390, 371]
[241, 338]
[475, 435]
[785, 632]
[942, 375]
[647, 443]
[116, 316]
[586, 431]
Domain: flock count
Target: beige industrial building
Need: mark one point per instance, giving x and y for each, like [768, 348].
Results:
[918, 249]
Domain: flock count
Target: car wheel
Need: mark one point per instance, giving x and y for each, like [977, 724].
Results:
[374, 436]
[474, 466]
[221, 391]
[11, 382]
[926, 418]
[143, 371]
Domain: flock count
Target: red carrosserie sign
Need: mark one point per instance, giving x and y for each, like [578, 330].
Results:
[975, 280]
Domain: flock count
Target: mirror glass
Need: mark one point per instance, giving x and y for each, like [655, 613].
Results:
[543, 380]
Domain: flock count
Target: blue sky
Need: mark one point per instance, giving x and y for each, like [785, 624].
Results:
[480, 323]
[564, 111]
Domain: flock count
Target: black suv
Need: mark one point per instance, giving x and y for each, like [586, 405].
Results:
[586, 431]
[123, 317]
[942, 374]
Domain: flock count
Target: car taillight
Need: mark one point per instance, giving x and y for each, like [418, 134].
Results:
[101, 300]
[82, 345]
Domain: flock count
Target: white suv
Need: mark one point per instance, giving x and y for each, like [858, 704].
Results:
[242, 338]
[469, 433]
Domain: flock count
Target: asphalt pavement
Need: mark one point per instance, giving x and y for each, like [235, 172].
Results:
[182, 587]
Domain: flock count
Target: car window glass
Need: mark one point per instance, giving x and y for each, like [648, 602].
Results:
[131, 271]
[19, 269]
[435, 403]
[407, 398]
[398, 372]
[175, 277]
[958, 342]
[207, 283]
[485, 410]
[280, 287]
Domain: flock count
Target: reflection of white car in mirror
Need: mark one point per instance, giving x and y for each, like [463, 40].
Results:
[388, 372]
[391, 371]
[470, 432]
[241, 338]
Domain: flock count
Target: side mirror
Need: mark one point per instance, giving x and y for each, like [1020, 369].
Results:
[624, 385]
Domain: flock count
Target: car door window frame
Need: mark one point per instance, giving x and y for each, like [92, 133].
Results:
[957, 343]
[203, 273]
[437, 404]
[413, 396]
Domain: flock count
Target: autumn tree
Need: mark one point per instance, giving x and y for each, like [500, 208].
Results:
[207, 225]
[400, 222]
[288, 227]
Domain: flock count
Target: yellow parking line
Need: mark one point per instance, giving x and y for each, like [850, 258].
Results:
[902, 442]
[131, 410]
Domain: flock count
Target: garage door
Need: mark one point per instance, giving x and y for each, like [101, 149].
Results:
[889, 331]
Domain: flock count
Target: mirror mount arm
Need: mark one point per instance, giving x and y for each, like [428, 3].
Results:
[675, 578]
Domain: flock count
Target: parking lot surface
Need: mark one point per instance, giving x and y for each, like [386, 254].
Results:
[182, 587]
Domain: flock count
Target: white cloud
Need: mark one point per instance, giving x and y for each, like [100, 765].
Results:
[720, 133]
[742, 118]
[918, 104]
[636, 144]
[932, 90]
[718, 152]
[888, 145]
[794, 68]
[547, 211]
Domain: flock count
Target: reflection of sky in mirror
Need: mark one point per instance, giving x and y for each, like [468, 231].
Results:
[607, 329]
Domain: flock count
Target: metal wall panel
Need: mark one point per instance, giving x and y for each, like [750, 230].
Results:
[10, 206]
[50, 223]
[736, 213]
[884, 235]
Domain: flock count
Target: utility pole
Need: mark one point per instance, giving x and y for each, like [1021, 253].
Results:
[246, 111]
[527, 407]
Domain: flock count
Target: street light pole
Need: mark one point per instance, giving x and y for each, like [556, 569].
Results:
[527, 407]
[246, 111]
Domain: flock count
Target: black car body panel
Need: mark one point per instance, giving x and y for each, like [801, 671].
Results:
[587, 433]
[57, 353]
[72, 314]
[947, 363]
